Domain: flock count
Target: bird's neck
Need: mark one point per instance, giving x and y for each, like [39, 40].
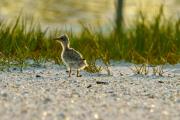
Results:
[65, 46]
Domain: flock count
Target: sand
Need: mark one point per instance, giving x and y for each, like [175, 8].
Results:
[46, 93]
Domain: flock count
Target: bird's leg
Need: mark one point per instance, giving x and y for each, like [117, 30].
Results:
[78, 74]
[67, 70]
[70, 72]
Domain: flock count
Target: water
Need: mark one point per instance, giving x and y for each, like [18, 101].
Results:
[69, 13]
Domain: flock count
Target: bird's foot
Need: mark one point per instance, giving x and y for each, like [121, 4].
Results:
[79, 75]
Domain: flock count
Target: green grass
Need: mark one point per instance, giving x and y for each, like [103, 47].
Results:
[155, 41]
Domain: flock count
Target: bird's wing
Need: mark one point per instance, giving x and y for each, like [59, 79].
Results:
[74, 55]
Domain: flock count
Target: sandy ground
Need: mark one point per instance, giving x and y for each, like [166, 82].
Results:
[46, 93]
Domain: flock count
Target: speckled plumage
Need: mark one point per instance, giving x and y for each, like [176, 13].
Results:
[71, 58]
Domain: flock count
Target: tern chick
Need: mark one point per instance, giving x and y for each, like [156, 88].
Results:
[70, 57]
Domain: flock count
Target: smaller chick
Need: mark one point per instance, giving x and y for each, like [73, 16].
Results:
[70, 57]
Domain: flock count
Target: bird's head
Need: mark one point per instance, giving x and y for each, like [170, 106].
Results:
[63, 39]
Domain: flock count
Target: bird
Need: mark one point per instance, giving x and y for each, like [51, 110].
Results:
[70, 57]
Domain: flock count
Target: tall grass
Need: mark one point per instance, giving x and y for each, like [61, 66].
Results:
[22, 40]
[155, 41]
[152, 41]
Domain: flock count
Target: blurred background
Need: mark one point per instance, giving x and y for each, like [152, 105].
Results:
[138, 31]
[67, 14]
